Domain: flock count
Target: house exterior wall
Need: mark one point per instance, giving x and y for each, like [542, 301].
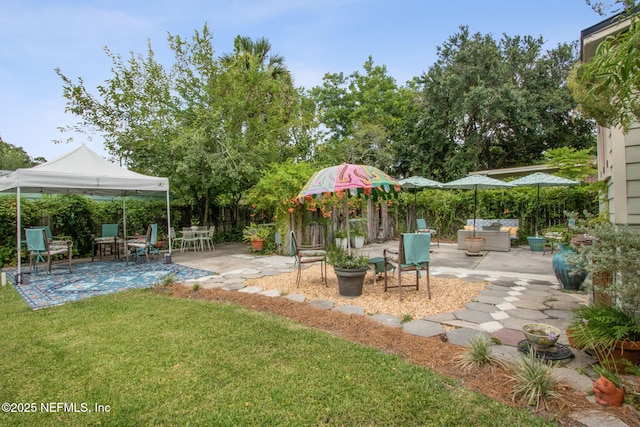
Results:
[618, 153]
[632, 170]
[619, 167]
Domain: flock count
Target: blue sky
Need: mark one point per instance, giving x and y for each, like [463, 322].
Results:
[314, 36]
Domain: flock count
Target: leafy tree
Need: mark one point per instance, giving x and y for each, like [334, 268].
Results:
[571, 163]
[360, 113]
[607, 87]
[12, 157]
[209, 124]
[487, 104]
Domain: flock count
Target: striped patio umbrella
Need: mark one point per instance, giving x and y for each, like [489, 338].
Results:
[352, 180]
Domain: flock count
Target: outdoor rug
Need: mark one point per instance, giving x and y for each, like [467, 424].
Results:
[91, 279]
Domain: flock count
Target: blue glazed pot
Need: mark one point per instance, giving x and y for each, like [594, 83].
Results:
[570, 274]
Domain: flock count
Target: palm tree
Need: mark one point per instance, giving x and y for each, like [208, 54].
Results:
[252, 55]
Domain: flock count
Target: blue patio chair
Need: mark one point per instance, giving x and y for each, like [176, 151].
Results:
[39, 247]
[108, 238]
[412, 255]
[422, 228]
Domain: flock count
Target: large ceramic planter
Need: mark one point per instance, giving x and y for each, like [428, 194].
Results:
[474, 244]
[569, 274]
[350, 281]
[536, 244]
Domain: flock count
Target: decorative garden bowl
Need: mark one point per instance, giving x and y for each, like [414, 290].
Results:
[541, 334]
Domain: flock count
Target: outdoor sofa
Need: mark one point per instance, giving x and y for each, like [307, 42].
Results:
[498, 233]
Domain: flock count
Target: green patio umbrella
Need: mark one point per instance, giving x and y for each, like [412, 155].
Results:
[540, 179]
[475, 183]
[415, 183]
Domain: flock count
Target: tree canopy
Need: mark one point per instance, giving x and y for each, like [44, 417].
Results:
[12, 157]
[217, 125]
[209, 123]
[489, 104]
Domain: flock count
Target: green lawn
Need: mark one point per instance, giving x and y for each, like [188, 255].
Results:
[160, 361]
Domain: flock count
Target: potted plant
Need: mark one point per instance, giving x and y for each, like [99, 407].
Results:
[350, 270]
[614, 334]
[612, 257]
[358, 234]
[256, 235]
[536, 243]
[568, 267]
[474, 244]
[340, 236]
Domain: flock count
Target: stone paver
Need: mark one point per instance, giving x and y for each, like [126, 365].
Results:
[489, 299]
[388, 320]
[423, 328]
[478, 306]
[272, 293]
[233, 286]
[461, 336]
[296, 297]
[523, 313]
[473, 316]
[508, 336]
[595, 418]
[322, 303]
[350, 309]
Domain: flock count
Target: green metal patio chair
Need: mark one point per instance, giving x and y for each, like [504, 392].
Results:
[39, 247]
[412, 255]
[422, 228]
[108, 238]
[143, 245]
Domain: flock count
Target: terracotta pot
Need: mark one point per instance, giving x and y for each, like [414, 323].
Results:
[606, 392]
[256, 245]
[474, 244]
[572, 343]
[629, 350]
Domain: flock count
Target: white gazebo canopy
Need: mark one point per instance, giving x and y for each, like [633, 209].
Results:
[81, 171]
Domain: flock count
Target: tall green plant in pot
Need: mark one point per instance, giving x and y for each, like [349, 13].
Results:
[350, 270]
[610, 324]
[612, 332]
[613, 259]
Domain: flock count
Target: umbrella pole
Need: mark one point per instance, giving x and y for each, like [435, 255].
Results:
[537, 210]
[415, 208]
[475, 209]
[346, 205]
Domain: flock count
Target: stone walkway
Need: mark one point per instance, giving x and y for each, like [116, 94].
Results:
[522, 290]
